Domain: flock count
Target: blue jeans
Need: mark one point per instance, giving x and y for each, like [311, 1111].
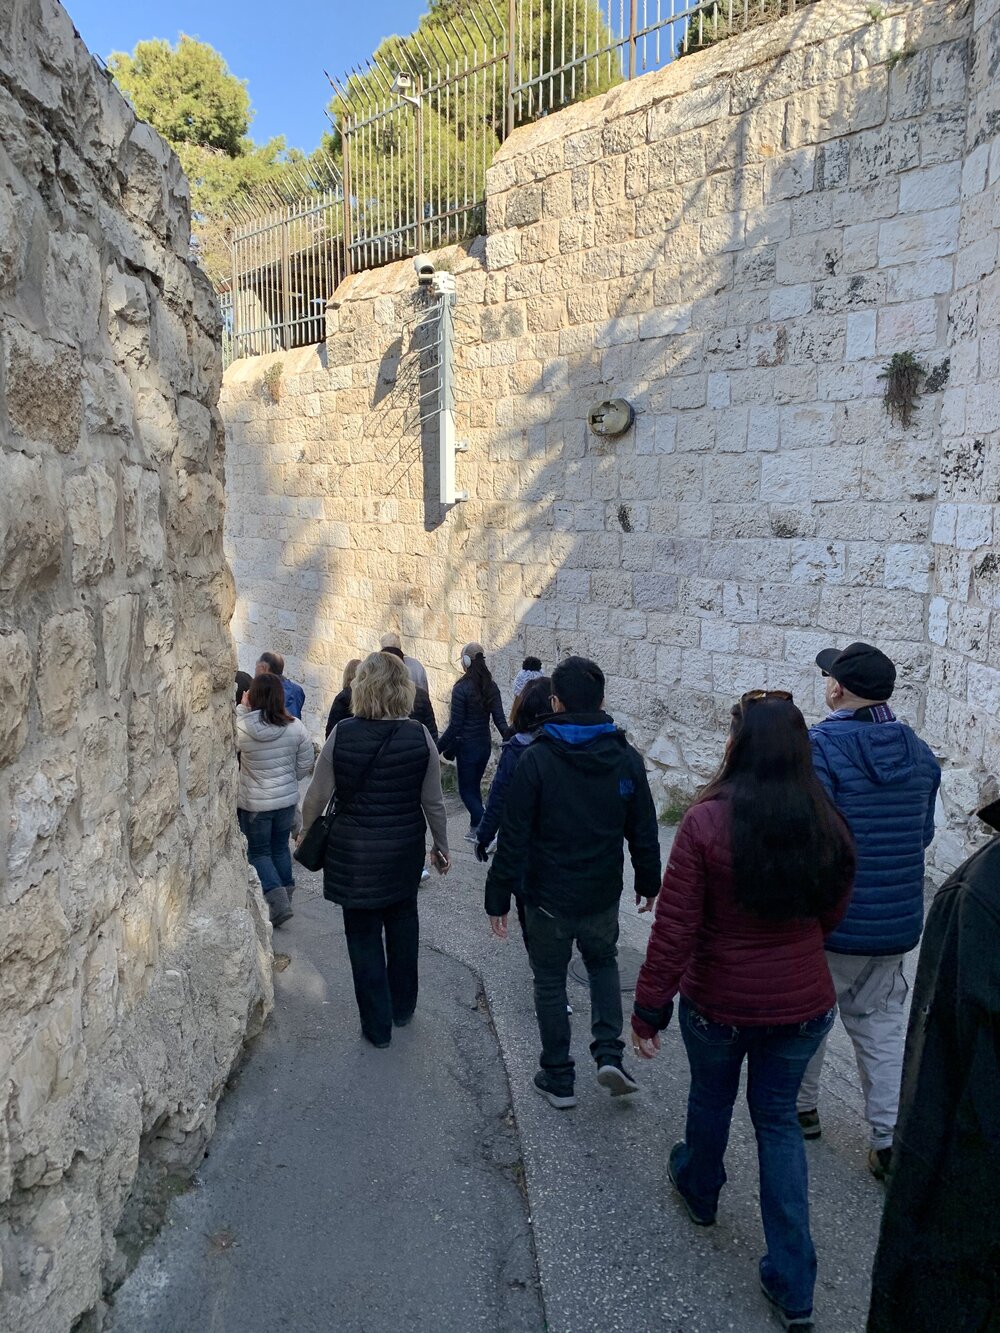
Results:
[266, 832]
[471, 758]
[777, 1059]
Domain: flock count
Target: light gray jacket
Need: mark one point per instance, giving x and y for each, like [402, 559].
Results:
[272, 761]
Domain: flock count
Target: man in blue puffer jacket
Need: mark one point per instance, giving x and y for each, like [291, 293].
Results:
[884, 780]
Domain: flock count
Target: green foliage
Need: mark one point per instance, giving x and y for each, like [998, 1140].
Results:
[272, 380]
[903, 375]
[875, 13]
[675, 809]
[711, 23]
[461, 124]
[186, 92]
[895, 58]
[189, 95]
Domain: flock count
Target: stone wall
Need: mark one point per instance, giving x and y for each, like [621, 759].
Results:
[133, 960]
[737, 244]
[963, 701]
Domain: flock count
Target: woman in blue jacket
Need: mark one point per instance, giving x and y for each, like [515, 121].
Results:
[530, 709]
[474, 700]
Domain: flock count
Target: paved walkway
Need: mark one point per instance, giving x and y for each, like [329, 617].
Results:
[360, 1191]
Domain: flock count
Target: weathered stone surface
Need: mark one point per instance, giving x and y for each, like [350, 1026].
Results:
[31, 522]
[42, 385]
[15, 688]
[91, 501]
[133, 946]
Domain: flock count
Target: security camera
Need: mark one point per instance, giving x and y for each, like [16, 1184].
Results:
[424, 266]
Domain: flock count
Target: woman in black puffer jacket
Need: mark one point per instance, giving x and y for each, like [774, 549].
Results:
[474, 700]
[383, 768]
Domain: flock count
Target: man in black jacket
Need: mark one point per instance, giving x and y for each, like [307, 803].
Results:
[937, 1269]
[579, 791]
[423, 709]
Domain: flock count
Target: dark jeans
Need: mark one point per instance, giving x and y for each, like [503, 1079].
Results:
[777, 1059]
[550, 947]
[471, 758]
[385, 978]
[266, 832]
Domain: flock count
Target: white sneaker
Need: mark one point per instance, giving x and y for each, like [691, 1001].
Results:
[472, 836]
[425, 873]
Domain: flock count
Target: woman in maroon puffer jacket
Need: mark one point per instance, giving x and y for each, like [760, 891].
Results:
[761, 869]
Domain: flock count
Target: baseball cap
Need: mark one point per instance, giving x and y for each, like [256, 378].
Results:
[860, 668]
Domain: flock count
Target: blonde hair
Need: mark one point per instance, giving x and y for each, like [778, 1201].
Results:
[350, 671]
[382, 688]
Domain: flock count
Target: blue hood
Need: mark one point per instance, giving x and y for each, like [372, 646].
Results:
[886, 752]
[576, 733]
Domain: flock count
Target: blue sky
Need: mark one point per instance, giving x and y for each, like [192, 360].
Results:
[281, 49]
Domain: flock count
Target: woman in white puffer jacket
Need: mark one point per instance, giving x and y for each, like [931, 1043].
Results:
[275, 754]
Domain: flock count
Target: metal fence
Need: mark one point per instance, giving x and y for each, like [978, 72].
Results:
[420, 122]
[418, 126]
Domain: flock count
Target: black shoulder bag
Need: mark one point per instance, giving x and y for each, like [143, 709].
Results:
[311, 851]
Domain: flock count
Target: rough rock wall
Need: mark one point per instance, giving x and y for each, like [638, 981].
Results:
[963, 704]
[133, 960]
[737, 244]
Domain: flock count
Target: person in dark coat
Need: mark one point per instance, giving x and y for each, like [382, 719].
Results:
[578, 793]
[884, 781]
[474, 700]
[937, 1268]
[760, 870]
[243, 682]
[423, 709]
[295, 695]
[532, 707]
[384, 771]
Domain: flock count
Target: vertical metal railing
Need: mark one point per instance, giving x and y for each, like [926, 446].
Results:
[419, 125]
[285, 267]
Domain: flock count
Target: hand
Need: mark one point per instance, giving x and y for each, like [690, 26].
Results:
[498, 925]
[644, 905]
[645, 1047]
[481, 853]
[440, 861]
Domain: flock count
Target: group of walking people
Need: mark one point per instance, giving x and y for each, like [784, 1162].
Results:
[794, 889]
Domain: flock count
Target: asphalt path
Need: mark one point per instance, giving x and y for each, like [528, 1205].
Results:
[429, 1187]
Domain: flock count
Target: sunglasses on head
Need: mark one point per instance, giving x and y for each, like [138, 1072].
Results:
[755, 696]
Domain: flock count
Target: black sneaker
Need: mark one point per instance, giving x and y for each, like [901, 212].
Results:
[800, 1321]
[611, 1075]
[699, 1219]
[404, 1019]
[559, 1095]
[880, 1162]
[809, 1124]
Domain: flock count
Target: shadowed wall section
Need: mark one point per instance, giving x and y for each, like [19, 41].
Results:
[737, 244]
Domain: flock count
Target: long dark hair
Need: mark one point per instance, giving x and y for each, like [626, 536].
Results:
[482, 681]
[532, 706]
[792, 853]
[268, 694]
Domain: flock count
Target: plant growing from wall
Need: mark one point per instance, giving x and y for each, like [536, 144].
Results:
[903, 376]
[272, 381]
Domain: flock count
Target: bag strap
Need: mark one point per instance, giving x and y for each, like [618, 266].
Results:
[353, 795]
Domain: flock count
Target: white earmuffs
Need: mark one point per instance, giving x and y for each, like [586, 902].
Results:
[466, 660]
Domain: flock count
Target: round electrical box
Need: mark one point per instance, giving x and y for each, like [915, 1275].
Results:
[611, 418]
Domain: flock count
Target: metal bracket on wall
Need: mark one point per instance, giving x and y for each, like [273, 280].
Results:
[440, 396]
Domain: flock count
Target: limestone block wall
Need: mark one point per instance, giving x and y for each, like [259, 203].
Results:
[737, 244]
[133, 958]
[963, 702]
